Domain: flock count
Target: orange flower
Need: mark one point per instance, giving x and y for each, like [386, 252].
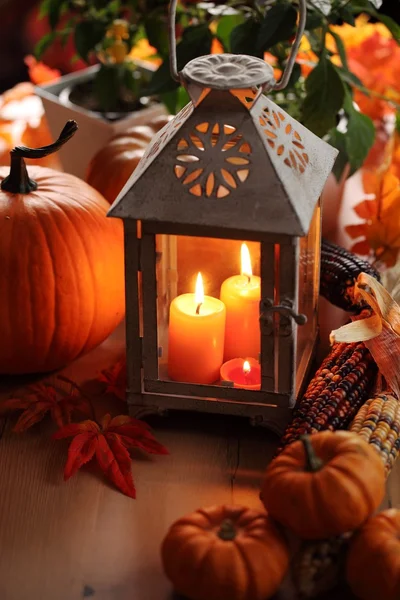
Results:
[143, 51]
[374, 57]
[39, 72]
[380, 232]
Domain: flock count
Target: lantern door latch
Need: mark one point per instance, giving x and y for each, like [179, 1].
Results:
[286, 313]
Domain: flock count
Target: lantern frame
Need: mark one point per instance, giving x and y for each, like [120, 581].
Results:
[147, 394]
[278, 227]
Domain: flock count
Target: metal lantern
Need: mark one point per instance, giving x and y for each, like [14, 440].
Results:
[222, 247]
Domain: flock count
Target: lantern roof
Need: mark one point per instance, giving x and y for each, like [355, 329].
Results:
[232, 163]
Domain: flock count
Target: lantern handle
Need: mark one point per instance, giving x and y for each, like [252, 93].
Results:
[279, 85]
[173, 64]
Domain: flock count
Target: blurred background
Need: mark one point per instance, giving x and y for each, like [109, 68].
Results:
[20, 29]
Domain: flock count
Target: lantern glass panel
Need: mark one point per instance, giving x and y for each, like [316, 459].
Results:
[308, 293]
[188, 342]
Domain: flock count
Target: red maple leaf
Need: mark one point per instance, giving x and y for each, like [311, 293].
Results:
[41, 400]
[109, 443]
[115, 379]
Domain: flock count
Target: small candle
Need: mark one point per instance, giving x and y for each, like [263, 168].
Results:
[245, 374]
[241, 295]
[196, 337]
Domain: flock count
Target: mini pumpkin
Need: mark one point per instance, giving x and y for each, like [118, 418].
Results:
[111, 167]
[225, 553]
[324, 485]
[373, 560]
[62, 265]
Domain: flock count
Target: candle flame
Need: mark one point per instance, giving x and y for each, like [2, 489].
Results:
[246, 367]
[246, 261]
[199, 292]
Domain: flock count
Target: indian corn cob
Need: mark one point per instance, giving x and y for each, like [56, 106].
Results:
[317, 566]
[339, 271]
[378, 423]
[333, 397]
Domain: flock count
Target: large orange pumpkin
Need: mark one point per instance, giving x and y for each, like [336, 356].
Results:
[324, 485]
[373, 560]
[225, 553]
[62, 265]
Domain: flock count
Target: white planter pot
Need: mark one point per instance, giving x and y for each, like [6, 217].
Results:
[94, 131]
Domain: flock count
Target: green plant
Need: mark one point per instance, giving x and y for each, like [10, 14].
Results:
[103, 31]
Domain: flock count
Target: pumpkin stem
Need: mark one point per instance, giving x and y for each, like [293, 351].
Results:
[18, 181]
[313, 463]
[227, 531]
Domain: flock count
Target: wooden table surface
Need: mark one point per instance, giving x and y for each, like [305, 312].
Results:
[83, 538]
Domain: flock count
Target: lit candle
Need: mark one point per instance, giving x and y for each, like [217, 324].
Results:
[245, 374]
[196, 337]
[241, 296]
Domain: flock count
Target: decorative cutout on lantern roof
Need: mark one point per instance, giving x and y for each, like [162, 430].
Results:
[228, 163]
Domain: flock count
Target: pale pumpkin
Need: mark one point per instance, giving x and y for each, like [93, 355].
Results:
[62, 265]
[373, 560]
[225, 553]
[324, 485]
[22, 121]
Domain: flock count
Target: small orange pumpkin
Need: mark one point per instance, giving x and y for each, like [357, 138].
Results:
[111, 167]
[225, 553]
[373, 560]
[62, 265]
[324, 485]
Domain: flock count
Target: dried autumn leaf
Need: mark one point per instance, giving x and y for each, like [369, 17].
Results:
[41, 400]
[115, 379]
[380, 232]
[109, 443]
[380, 332]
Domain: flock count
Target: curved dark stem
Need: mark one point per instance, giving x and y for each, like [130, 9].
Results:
[18, 181]
[313, 463]
[227, 531]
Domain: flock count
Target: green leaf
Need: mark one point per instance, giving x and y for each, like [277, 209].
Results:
[347, 15]
[87, 35]
[157, 34]
[324, 97]
[314, 20]
[244, 38]
[107, 87]
[360, 134]
[44, 43]
[225, 27]
[279, 25]
[337, 139]
[196, 41]
[340, 48]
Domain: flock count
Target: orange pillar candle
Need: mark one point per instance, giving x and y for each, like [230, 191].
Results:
[196, 337]
[241, 295]
[244, 374]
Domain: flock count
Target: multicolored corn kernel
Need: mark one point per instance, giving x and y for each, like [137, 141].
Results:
[340, 386]
[339, 271]
[378, 423]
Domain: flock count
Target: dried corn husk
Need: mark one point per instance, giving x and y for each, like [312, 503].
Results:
[380, 332]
